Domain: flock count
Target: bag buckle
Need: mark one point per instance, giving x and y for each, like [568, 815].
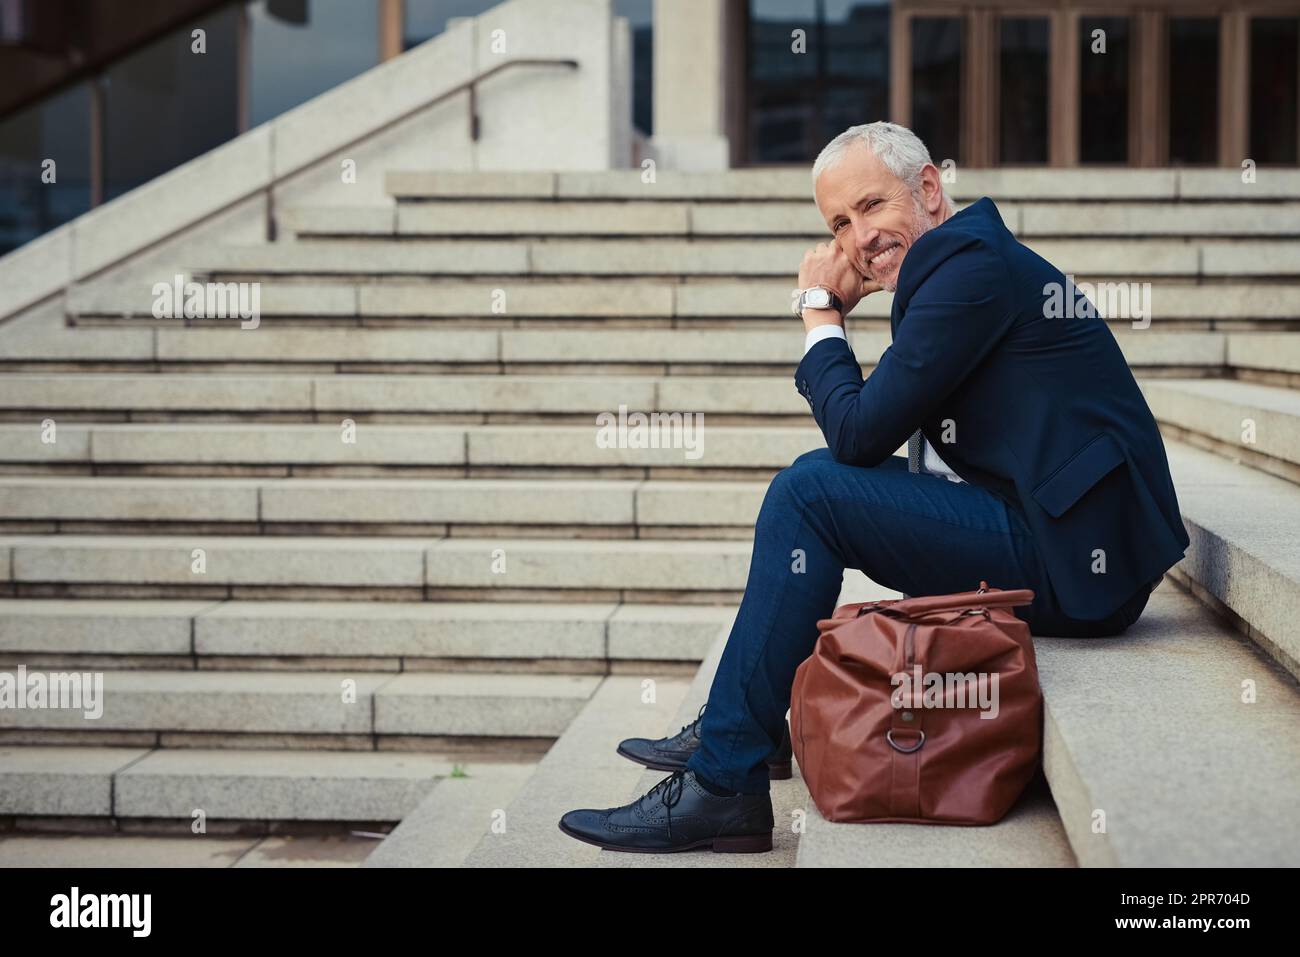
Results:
[889, 736]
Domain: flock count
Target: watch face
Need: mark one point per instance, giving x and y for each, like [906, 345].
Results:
[816, 299]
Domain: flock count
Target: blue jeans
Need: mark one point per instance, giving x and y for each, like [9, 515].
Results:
[918, 534]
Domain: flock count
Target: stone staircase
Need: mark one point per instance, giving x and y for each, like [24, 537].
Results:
[367, 563]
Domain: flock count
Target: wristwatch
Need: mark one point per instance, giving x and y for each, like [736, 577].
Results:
[816, 297]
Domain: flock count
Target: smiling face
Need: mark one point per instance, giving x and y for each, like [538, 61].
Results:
[873, 215]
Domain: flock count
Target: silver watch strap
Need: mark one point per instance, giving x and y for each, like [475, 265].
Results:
[836, 302]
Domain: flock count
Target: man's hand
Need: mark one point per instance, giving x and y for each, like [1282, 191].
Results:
[826, 265]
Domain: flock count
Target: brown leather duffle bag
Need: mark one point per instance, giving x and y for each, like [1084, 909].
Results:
[922, 710]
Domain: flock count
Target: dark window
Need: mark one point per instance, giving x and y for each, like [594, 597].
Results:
[58, 129]
[936, 85]
[166, 104]
[1274, 42]
[799, 101]
[424, 19]
[1193, 90]
[640, 23]
[1103, 89]
[297, 51]
[1023, 85]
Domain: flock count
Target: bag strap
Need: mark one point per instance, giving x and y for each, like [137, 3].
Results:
[984, 597]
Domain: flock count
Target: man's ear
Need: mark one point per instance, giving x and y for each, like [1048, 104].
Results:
[931, 188]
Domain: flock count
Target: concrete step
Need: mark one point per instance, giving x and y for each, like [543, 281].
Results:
[1243, 559]
[1205, 775]
[316, 349]
[104, 843]
[655, 256]
[574, 218]
[373, 636]
[348, 394]
[1150, 219]
[446, 826]
[1274, 356]
[285, 448]
[794, 183]
[1258, 425]
[1031, 835]
[618, 300]
[524, 217]
[309, 708]
[335, 397]
[360, 506]
[581, 769]
[1212, 492]
[138, 788]
[391, 568]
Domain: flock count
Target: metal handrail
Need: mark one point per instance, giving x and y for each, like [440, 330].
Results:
[276, 180]
[475, 126]
[269, 188]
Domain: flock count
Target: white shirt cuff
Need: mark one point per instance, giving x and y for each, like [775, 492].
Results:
[817, 333]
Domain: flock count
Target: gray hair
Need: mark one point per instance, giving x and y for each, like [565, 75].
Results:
[897, 147]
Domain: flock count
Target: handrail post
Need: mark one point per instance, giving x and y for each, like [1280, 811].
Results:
[473, 111]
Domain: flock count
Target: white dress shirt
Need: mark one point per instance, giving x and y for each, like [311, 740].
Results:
[930, 460]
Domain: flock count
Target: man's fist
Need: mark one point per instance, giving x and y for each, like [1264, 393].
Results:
[826, 265]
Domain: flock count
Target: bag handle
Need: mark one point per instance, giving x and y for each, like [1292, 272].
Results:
[985, 597]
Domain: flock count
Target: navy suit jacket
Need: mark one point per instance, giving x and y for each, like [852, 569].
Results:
[1042, 412]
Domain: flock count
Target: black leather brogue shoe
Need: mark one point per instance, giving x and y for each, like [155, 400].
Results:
[672, 753]
[677, 814]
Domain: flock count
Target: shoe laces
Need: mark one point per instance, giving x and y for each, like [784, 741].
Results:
[670, 794]
[694, 725]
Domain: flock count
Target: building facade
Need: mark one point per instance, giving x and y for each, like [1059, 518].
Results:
[115, 93]
[986, 83]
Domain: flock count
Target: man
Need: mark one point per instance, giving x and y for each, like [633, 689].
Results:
[1056, 476]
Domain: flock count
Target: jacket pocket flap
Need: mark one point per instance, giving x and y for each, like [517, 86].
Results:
[1081, 472]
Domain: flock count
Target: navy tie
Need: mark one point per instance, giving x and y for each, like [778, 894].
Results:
[914, 452]
[913, 459]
